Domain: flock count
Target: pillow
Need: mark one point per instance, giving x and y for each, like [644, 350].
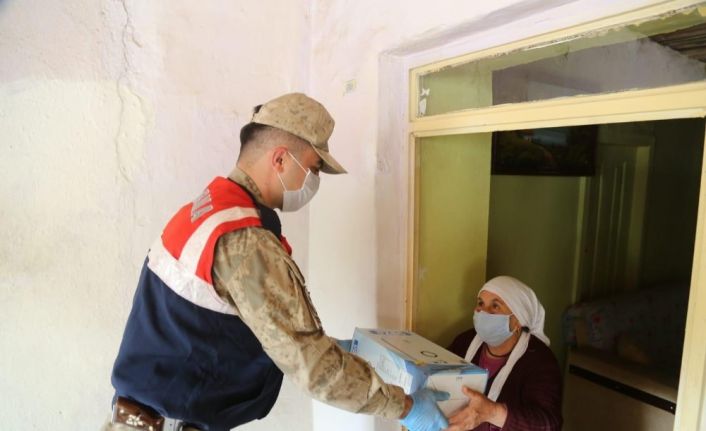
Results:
[633, 348]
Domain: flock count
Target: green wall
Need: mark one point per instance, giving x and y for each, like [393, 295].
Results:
[533, 233]
[672, 202]
[454, 184]
[456, 88]
[473, 226]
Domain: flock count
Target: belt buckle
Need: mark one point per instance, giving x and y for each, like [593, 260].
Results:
[172, 424]
[139, 417]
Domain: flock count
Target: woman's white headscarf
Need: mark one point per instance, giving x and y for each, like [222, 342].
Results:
[525, 306]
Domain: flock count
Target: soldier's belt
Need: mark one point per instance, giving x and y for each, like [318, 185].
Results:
[140, 417]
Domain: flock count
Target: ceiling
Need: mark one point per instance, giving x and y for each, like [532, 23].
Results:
[690, 42]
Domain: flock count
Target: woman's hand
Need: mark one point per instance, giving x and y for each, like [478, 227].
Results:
[479, 409]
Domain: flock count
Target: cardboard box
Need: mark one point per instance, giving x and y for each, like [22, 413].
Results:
[411, 361]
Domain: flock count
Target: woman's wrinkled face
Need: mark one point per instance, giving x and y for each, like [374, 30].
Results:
[493, 304]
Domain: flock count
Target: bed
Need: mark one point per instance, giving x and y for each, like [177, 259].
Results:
[623, 362]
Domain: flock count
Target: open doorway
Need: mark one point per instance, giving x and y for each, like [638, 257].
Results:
[601, 239]
[600, 221]
[609, 252]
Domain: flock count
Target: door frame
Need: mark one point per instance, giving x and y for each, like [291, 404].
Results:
[672, 102]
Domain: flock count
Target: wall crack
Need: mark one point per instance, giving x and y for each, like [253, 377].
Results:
[127, 98]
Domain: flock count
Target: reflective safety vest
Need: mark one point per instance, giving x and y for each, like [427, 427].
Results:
[185, 352]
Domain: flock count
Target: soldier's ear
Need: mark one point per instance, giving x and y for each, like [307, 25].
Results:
[278, 155]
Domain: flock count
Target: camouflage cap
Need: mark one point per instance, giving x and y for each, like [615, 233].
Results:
[305, 118]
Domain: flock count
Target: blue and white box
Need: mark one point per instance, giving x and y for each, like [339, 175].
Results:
[410, 361]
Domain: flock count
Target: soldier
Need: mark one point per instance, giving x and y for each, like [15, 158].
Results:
[221, 309]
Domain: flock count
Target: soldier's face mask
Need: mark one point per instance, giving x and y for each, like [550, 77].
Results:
[293, 200]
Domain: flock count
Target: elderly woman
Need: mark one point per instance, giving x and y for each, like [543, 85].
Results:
[524, 386]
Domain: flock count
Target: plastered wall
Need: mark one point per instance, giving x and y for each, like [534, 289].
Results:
[114, 113]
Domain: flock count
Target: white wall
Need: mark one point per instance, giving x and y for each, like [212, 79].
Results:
[114, 113]
[108, 123]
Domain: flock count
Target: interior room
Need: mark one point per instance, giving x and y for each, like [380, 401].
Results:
[605, 238]
[626, 274]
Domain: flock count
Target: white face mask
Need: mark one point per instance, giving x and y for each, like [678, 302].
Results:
[292, 200]
[494, 329]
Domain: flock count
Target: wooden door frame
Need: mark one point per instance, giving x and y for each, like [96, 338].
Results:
[678, 101]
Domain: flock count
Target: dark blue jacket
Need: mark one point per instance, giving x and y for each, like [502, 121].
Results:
[189, 362]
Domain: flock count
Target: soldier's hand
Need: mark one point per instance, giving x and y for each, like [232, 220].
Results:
[425, 414]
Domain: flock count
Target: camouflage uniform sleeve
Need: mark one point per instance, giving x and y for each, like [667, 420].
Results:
[268, 290]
